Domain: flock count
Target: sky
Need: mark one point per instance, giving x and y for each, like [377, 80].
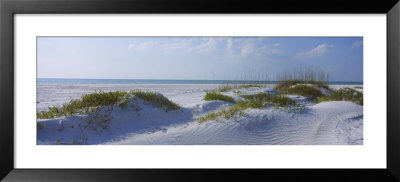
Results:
[197, 58]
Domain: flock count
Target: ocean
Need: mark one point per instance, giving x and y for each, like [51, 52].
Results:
[68, 81]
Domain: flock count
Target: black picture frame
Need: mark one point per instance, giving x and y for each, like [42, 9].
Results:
[9, 8]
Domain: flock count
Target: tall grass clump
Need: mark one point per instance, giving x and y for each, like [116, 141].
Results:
[346, 94]
[217, 96]
[90, 103]
[302, 76]
[305, 90]
[226, 86]
[233, 111]
[247, 81]
[156, 99]
[250, 86]
[278, 100]
[86, 104]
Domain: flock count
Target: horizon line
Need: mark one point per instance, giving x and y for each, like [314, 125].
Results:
[178, 79]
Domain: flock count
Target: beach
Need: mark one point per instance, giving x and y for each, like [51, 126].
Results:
[325, 123]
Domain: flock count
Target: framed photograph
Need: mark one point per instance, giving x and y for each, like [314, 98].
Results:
[128, 90]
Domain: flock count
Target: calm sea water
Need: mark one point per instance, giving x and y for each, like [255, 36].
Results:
[46, 81]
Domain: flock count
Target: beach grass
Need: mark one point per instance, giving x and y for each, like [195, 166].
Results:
[305, 90]
[246, 81]
[235, 110]
[218, 96]
[304, 82]
[278, 100]
[86, 104]
[285, 85]
[256, 101]
[238, 92]
[156, 99]
[287, 80]
[249, 86]
[226, 113]
[89, 103]
[346, 94]
[100, 118]
[229, 87]
[224, 88]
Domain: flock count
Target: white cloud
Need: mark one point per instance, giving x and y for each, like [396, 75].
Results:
[239, 47]
[320, 50]
[357, 44]
[234, 47]
[206, 45]
[270, 50]
[251, 46]
[247, 47]
[142, 46]
[190, 46]
[180, 45]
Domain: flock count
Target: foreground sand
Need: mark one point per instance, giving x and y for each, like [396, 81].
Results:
[337, 122]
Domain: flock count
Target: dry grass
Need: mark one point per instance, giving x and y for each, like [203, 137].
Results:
[347, 94]
[89, 103]
[217, 96]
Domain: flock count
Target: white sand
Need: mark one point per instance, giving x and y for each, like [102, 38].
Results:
[336, 123]
[51, 95]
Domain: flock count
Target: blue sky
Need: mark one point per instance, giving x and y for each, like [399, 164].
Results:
[199, 58]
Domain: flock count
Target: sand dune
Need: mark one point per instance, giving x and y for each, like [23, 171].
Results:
[326, 123]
